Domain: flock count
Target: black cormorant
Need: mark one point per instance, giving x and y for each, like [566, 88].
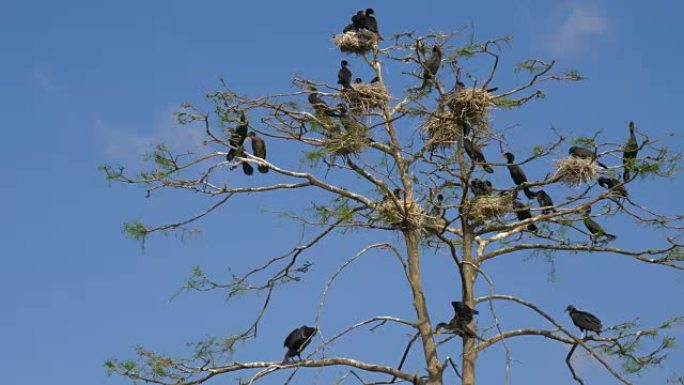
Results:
[545, 202]
[522, 212]
[481, 187]
[344, 75]
[584, 321]
[581, 152]
[630, 152]
[258, 150]
[318, 104]
[463, 315]
[475, 154]
[358, 21]
[297, 341]
[614, 184]
[431, 65]
[517, 174]
[375, 80]
[370, 23]
[238, 137]
[595, 230]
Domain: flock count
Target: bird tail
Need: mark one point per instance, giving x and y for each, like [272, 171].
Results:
[488, 169]
[247, 168]
[532, 227]
[262, 169]
[610, 237]
[286, 359]
[625, 175]
[231, 155]
[529, 193]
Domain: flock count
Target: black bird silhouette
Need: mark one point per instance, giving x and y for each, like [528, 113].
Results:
[613, 184]
[375, 80]
[476, 155]
[595, 230]
[358, 81]
[463, 315]
[630, 152]
[581, 152]
[359, 20]
[545, 202]
[258, 150]
[517, 174]
[238, 137]
[522, 212]
[344, 75]
[318, 104]
[370, 23]
[431, 65]
[584, 321]
[246, 167]
[481, 187]
[297, 341]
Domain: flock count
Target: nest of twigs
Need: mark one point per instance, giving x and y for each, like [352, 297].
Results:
[366, 97]
[348, 141]
[575, 171]
[444, 129]
[358, 42]
[487, 207]
[472, 105]
[401, 214]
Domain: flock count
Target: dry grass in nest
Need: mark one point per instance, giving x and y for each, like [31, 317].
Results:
[405, 213]
[472, 105]
[356, 42]
[444, 129]
[575, 171]
[352, 140]
[486, 207]
[366, 97]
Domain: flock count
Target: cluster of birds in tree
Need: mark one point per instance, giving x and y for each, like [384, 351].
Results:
[301, 337]
[482, 187]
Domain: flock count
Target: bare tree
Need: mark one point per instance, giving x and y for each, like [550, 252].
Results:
[416, 154]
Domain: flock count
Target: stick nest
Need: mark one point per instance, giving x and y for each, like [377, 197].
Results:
[485, 207]
[575, 171]
[350, 140]
[401, 214]
[444, 129]
[366, 97]
[358, 42]
[472, 105]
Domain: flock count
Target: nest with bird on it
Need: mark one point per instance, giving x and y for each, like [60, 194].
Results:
[472, 105]
[487, 207]
[366, 97]
[575, 171]
[357, 42]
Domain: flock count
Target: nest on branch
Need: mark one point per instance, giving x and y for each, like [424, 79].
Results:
[472, 105]
[488, 207]
[444, 129]
[366, 97]
[401, 214]
[575, 171]
[357, 42]
[351, 140]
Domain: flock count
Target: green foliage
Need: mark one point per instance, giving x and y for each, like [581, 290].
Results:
[135, 230]
[572, 74]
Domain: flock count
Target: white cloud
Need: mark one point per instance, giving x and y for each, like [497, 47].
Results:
[126, 145]
[579, 24]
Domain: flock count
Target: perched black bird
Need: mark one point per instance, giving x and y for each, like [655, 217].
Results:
[318, 104]
[375, 80]
[398, 193]
[581, 152]
[358, 21]
[258, 150]
[522, 212]
[619, 191]
[481, 187]
[297, 341]
[463, 315]
[246, 167]
[358, 81]
[595, 230]
[431, 65]
[630, 152]
[344, 75]
[517, 174]
[545, 202]
[370, 23]
[476, 155]
[584, 321]
[238, 137]
[437, 210]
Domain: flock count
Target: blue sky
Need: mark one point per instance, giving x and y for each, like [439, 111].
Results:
[83, 84]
